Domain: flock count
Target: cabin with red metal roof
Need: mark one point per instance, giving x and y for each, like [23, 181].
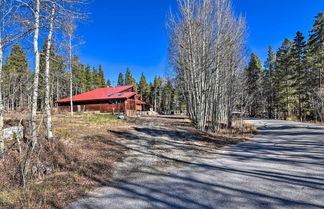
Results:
[105, 100]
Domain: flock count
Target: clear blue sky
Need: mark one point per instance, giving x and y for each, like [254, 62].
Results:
[129, 33]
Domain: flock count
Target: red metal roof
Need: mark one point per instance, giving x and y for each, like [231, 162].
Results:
[102, 94]
[122, 95]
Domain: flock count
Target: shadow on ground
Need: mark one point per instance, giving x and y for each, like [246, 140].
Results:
[274, 170]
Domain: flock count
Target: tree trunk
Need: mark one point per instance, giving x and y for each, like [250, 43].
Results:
[71, 76]
[47, 78]
[1, 104]
[33, 116]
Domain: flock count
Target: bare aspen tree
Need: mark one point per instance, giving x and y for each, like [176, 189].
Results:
[5, 10]
[72, 15]
[206, 45]
[9, 32]
[47, 73]
[1, 103]
[33, 116]
[70, 28]
[34, 105]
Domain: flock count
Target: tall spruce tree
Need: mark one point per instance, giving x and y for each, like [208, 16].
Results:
[315, 65]
[129, 79]
[143, 88]
[282, 80]
[253, 84]
[167, 102]
[108, 84]
[157, 93]
[78, 72]
[16, 74]
[121, 81]
[268, 82]
[299, 74]
[88, 79]
[95, 78]
[315, 51]
[101, 78]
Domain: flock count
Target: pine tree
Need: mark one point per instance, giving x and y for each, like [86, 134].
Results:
[167, 102]
[299, 73]
[315, 51]
[282, 80]
[120, 80]
[268, 81]
[88, 79]
[157, 93]
[143, 88]
[253, 84]
[108, 84]
[101, 78]
[79, 74]
[16, 73]
[95, 78]
[129, 79]
[315, 66]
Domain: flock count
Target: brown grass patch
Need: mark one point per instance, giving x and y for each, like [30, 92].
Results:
[80, 159]
[83, 156]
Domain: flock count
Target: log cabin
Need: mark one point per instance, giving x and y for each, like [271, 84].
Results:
[105, 100]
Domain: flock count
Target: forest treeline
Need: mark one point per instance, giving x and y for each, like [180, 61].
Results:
[39, 65]
[207, 48]
[291, 83]
[18, 81]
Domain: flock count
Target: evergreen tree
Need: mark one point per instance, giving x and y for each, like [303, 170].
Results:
[151, 93]
[282, 79]
[315, 66]
[315, 51]
[120, 80]
[78, 72]
[299, 73]
[253, 84]
[95, 78]
[16, 74]
[88, 79]
[17, 61]
[108, 84]
[157, 93]
[143, 88]
[268, 81]
[101, 78]
[168, 103]
[129, 79]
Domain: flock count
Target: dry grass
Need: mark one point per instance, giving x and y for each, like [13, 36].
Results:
[80, 159]
[83, 157]
[240, 132]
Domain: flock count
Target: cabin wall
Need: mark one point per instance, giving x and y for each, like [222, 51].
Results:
[103, 108]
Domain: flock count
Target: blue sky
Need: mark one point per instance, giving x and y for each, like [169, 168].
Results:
[131, 33]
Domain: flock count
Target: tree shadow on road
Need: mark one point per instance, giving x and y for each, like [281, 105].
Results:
[194, 185]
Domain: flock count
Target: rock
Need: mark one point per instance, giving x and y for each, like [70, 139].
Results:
[48, 170]
[121, 117]
[9, 133]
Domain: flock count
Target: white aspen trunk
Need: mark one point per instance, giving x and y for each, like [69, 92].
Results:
[36, 77]
[1, 103]
[155, 99]
[71, 76]
[47, 78]
[33, 116]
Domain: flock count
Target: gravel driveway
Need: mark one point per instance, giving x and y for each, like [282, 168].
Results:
[282, 167]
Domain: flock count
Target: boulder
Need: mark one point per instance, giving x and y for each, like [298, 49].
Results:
[9, 133]
[121, 117]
